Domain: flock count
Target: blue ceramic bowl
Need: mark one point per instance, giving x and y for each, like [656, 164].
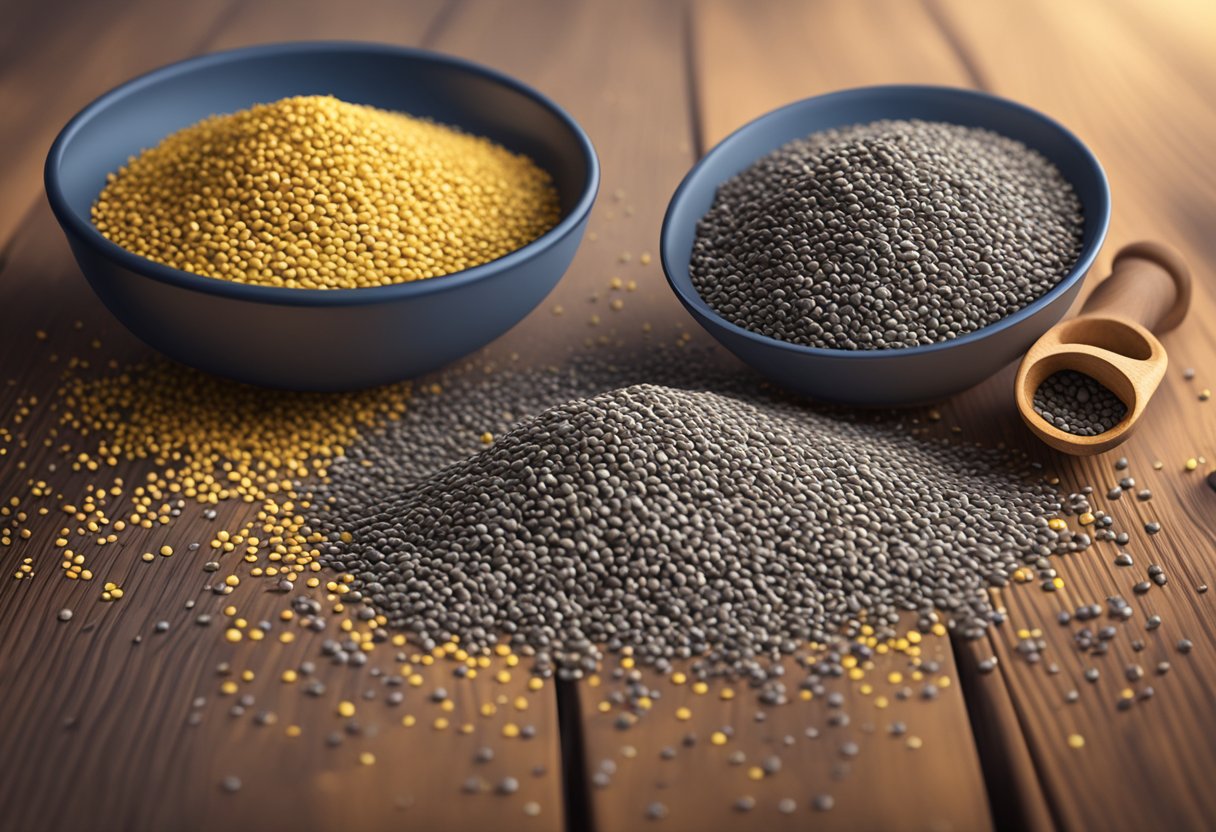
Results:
[900, 376]
[319, 339]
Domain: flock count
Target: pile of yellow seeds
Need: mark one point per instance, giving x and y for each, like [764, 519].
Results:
[315, 193]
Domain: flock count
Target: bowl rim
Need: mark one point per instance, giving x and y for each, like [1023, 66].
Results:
[282, 295]
[695, 304]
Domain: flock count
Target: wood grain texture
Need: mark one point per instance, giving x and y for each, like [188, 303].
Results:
[886, 784]
[59, 56]
[1098, 73]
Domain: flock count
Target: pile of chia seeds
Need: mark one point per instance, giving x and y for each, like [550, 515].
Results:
[886, 235]
[714, 522]
[1078, 404]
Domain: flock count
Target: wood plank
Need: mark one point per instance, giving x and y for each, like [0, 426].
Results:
[1103, 76]
[754, 57]
[1181, 34]
[88, 704]
[891, 780]
[62, 60]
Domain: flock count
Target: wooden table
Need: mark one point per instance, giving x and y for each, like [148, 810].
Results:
[97, 732]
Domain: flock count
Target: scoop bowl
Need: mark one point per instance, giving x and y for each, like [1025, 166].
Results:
[892, 377]
[313, 339]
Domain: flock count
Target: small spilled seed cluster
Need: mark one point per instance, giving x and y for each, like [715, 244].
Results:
[315, 193]
[886, 235]
[1078, 404]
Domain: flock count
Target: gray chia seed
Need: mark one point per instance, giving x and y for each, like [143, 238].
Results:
[886, 235]
[726, 526]
[1079, 404]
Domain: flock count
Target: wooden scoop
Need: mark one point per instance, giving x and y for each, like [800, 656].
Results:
[1112, 341]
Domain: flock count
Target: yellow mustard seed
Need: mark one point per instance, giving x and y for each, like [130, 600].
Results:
[315, 193]
[1076, 741]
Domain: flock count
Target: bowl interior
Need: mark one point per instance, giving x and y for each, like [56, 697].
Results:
[758, 138]
[140, 114]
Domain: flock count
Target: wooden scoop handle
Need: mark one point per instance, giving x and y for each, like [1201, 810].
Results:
[1149, 284]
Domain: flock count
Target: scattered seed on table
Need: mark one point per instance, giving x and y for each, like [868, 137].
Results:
[65, 614]
[1185, 645]
[787, 806]
[1123, 559]
[656, 811]
[231, 784]
[823, 802]
[1152, 527]
[1144, 495]
[745, 803]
